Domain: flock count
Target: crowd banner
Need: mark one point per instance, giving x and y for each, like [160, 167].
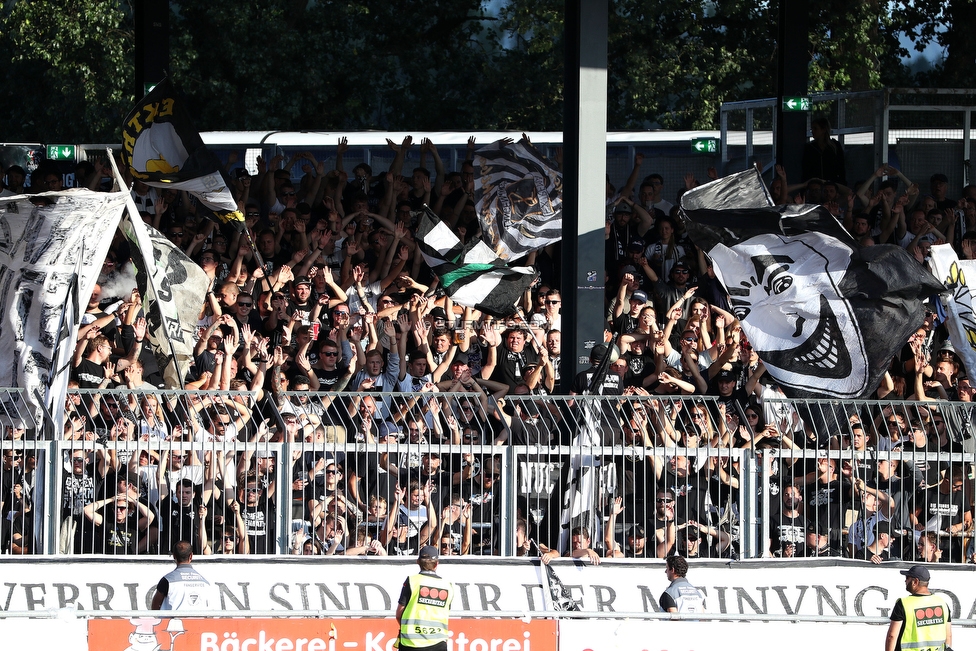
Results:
[44, 239]
[828, 587]
[589, 635]
[327, 634]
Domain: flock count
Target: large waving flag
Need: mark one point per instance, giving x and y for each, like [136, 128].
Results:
[825, 316]
[161, 148]
[960, 277]
[472, 275]
[518, 196]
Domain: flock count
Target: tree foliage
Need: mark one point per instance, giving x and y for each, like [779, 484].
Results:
[444, 64]
[69, 72]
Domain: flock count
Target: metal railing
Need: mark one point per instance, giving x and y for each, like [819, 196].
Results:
[382, 473]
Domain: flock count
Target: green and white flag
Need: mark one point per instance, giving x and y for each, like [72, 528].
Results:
[471, 274]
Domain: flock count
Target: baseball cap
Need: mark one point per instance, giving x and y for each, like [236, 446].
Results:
[636, 246]
[460, 358]
[637, 531]
[916, 572]
[639, 295]
[598, 353]
[725, 376]
[941, 178]
[681, 265]
[438, 313]
[818, 527]
[428, 551]
[241, 172]
[303, 280]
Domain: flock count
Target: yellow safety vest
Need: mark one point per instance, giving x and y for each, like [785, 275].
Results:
[424, 619]
[926, 618]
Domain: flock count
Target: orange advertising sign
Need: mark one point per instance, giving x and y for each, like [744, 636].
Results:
[326, 634]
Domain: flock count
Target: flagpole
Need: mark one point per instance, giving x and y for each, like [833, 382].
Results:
[133, 211]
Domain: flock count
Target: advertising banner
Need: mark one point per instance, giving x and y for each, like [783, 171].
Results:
[184, 634]
[589, 635]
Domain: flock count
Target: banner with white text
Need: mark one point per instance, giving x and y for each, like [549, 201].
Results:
[831, 587]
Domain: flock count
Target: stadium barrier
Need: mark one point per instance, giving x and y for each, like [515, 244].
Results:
[553, 463]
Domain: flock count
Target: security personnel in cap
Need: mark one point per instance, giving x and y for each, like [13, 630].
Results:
[920, 622]
[425, 605]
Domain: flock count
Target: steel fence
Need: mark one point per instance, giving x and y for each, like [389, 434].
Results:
[919, 131]
[383, 473]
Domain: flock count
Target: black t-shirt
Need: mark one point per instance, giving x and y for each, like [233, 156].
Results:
[89, 374]
[511, 365]
[612, 384]
[115, 537]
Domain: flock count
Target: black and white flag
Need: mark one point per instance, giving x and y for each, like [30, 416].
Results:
[45, 240]
[472, 275]
[518, 194]
[960, 278]
[173, 289]
[161, 147]
[824, 316]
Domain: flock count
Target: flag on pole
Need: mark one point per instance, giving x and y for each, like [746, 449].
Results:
[173, 289]
[824, 316]
[471, 274]
[161, 148]
[960, 278]
[518, 195]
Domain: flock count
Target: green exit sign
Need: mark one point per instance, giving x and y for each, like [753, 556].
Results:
[704, 145]
[61, 152]
[796, 103]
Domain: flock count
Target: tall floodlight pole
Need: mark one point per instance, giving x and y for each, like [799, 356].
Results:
[584, 183]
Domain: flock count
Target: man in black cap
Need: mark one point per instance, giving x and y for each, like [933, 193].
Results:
[939, 188]
[610, 384]
[423, 609]
[922, 620]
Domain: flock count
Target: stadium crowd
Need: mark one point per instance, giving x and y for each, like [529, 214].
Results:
[331, 331]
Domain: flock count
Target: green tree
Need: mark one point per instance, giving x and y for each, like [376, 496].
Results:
[69, 71]
[367, 64]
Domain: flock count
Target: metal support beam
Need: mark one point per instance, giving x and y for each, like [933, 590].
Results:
[584, 177]
[791, 81]
[151, 44]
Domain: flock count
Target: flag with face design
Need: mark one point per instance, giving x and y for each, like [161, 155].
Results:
[824, 316]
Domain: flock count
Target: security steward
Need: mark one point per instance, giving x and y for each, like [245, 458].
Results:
[922, 621]
[184, 588]
[681, 596]
[425, 605]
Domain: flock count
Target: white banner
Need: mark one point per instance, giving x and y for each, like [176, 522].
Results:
[589, 635]
[833, 588]
[42, 239]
